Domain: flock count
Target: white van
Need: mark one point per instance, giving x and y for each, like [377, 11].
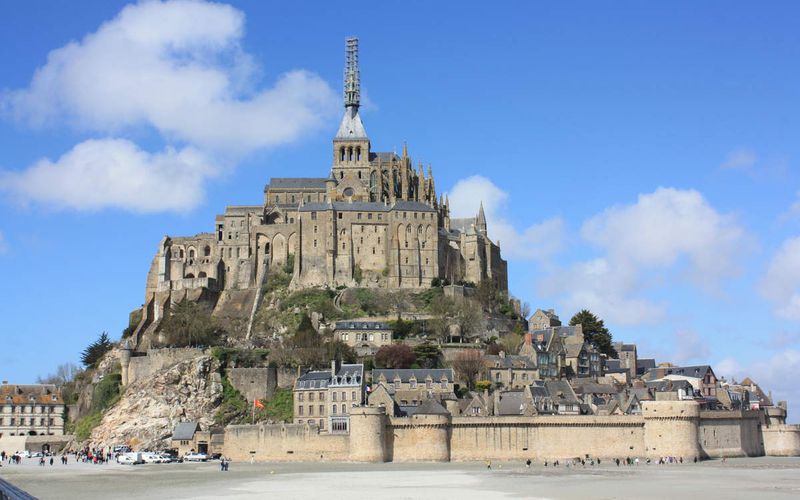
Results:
[131, 458]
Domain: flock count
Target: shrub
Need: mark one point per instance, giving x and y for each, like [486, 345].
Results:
[233, 407]
[395, 356]
[84, 426]
[106, 393]
[279, 408]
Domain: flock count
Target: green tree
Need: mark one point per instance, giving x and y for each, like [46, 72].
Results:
[594, 331]
[95, 351]
[428, 355]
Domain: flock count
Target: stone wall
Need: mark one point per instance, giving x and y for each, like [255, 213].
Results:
[550, 437]
[254, 383]
[782, 440]
[283, 443]
[140, 367]
[730, 434]
[666, 428]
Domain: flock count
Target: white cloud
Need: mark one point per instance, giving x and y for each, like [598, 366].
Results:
[538, 241]
[645, 243]
[781, 283]
[740, 159]
[178, 67]
[106, 173]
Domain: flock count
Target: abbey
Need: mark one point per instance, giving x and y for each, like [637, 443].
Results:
[374, 221]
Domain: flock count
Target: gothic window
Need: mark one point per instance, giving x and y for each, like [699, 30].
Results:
[359, 174]
[341, 175]
[191, 253]
[266, 247]
[341, 154]
[350, 153]
[373, 186]
[358, 157]
[292, 198]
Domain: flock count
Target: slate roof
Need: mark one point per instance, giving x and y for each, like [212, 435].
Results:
[362, 325]
[431, 407]
[554, 387]
[321, 379]
[669, 385]
[313, 380]
[511, 403]
[405, 375]
[184, 431]
[351, 126]
[593, 388]
[383, 157]
[613, 364]
[242, 209]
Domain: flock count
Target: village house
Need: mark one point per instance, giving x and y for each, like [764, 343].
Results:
[364, 336]
[323, 397]
[31, 410]
[510, 371]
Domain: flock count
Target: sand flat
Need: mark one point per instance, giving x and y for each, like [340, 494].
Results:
[763, 478]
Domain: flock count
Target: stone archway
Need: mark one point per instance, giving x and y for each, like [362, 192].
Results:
[279, 250]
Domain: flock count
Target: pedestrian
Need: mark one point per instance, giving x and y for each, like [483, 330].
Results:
[528, 463]
[51, 461]
[488, 464]
[222, 464]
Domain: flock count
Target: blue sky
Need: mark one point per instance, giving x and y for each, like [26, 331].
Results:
[637, 159]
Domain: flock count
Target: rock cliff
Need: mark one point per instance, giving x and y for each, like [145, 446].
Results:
[148, 410]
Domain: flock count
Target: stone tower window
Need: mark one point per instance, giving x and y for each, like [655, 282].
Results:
[341, 154]
[207, 251]
[358, 157]
[191, 253]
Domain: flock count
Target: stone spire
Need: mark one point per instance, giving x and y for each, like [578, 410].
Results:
[352, 77]
[351, 126]
[480, 221]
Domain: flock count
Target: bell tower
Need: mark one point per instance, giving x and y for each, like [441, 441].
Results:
[351, 144]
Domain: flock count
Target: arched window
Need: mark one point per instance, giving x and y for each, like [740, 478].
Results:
[191, 253]
[358, 153]
[202, 275]
[189, 276]
[341, 175]
[266, 247]
[207, 251]
[350, 153]
[341, 153]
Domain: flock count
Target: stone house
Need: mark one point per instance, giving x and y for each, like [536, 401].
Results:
[626, 354]
[542, 319]
[323, 398]
[510, 371]
[582, 361]
[364, 336]
[701, 377]
[411, 387]
[31, 410]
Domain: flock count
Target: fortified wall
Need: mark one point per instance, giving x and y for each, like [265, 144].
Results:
[665, 428]
[137, 366]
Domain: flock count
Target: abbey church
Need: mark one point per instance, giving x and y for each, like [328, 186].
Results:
[373, 221]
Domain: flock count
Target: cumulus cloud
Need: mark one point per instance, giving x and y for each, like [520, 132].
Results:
[740, 159]
[781, 282]
[115, 173]
[537, 241]
[645, 243]
[178, 67]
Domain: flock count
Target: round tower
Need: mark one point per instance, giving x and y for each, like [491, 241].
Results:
[671, 429]
[368, 434]
[124, 361]
[431, 425]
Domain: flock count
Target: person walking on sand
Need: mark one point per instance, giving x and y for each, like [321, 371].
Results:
[528, 463]
[488, 464]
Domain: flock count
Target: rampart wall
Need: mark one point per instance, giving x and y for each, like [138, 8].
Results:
[730, 434]
[665, 428]
[550, 437]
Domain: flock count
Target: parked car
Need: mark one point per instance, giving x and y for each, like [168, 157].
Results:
[195, 457]
[152, 458]
[167, 458]
[130, 458]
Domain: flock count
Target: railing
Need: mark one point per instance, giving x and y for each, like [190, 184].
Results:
[10, 492]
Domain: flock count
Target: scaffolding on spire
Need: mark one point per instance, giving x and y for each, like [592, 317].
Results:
[352, 77]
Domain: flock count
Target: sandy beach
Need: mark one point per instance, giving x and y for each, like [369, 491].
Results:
[763, 478]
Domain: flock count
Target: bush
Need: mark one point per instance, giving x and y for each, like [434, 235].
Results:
[280, 408]
[84, 426]
[233, 408]
[242, 358]
[313, 299]
[288, 268]
[395, 356]
[106, 393]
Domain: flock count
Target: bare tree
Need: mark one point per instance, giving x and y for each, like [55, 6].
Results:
[468, 365]
[526, 310]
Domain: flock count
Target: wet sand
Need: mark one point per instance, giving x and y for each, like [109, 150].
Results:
[763, 478]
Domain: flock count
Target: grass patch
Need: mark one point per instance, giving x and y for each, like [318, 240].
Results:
[85, 425]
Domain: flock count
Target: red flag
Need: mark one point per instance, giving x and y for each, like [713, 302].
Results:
[258, 404]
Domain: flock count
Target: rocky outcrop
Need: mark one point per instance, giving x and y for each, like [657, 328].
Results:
[151, 407]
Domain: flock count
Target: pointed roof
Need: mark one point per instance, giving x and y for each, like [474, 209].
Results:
[480, 221]
[351, 126]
